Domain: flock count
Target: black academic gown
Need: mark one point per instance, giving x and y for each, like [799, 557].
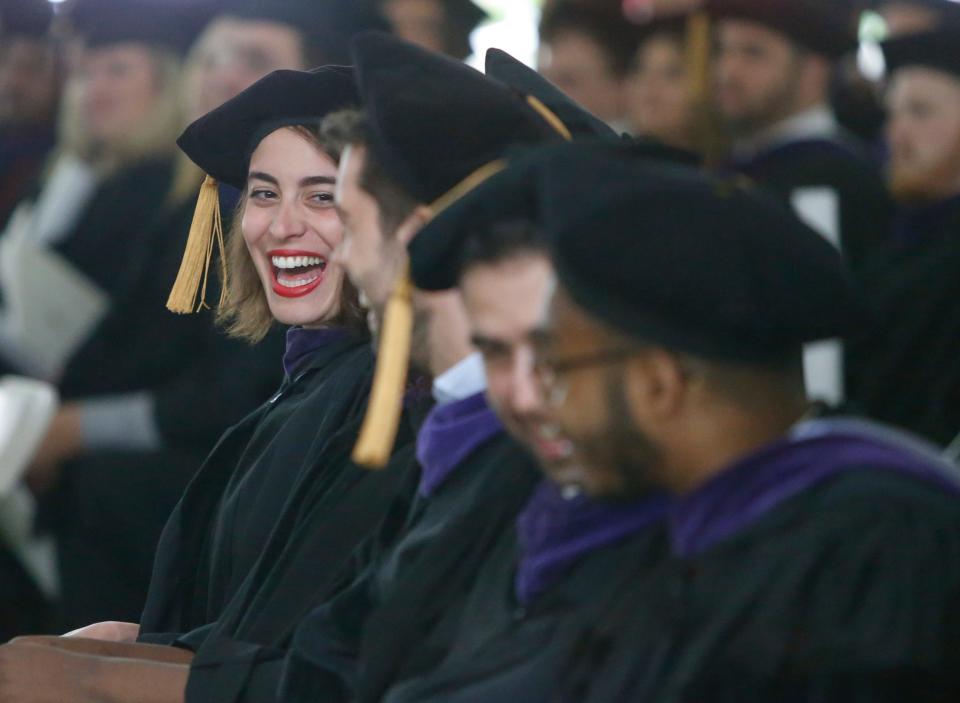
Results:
[905, 368]
[502, 650]
[229, 512]
[22, 155]
[112, 504]
[112, 232]
[848, 592]
[865, 209]
[375, 631]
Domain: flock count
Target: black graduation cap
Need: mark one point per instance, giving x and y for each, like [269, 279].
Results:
[25, 18]
[515, 74]
[222, 141]
[462, 17]
[824, 26]
[510, 195]
[937, 48]
[434, 120]
[105, 22]
[326, 24]
[699, 264]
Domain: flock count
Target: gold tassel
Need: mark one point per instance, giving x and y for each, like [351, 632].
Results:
[379, 430]
[699, 44]
[206, 228]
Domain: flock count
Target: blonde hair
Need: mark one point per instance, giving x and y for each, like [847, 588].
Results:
[244, 312]
[155, 137]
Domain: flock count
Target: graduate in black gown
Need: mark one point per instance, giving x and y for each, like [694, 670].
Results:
[137, 417]
[801, 558]
[906, 369]
[772, 72]
[291, 457]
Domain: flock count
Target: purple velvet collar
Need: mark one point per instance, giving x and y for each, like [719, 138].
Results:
[812, 452]
[449, 435]
[555, 532]
[302, 342]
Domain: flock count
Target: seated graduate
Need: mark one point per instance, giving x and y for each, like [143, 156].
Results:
[803, 558]
[289, 461]
[906, 369]
[138, 417]
[112, 166]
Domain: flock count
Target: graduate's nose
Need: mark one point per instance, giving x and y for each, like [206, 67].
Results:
[287, 222]
[526, 396]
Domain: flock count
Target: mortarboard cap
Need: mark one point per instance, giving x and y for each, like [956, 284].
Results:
[708, 266]
[515, 74]
[222, 141]
[510, 195]
[25, 18]
[434, 120]
[825, 27]
[173, 26]
[938, 49]
[327, 25]
[462, 17]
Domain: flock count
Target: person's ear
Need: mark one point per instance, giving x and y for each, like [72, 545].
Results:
[413, 223]
[656, 384]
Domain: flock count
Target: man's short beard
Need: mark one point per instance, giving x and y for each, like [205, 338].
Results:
[773, 109]
[930, 185]
[621, 448]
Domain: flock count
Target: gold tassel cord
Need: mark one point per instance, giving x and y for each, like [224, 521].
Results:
[699, 46]
[380, 425]
[551, 117]
[382, 421]
[205, 231]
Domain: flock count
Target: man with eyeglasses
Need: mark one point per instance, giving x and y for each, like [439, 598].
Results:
[804, 558]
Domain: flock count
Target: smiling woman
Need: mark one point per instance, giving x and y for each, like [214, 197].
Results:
[272, 516]
[284, 233]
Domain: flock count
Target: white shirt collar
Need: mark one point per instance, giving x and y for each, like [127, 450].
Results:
[462, 380]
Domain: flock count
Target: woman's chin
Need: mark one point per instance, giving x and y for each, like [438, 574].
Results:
[309, 311]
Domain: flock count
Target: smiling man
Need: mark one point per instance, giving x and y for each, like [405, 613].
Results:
[804, 558]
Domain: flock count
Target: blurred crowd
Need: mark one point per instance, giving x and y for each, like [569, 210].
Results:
[94, 95]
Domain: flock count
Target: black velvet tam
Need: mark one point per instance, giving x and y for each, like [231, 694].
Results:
[327, 25]
[433, 120]
[670, 255]
[222, 141]
[515, 74]
[25, 18]
[513, 194]
[938, 49]
[172, 25]
[826, 27]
